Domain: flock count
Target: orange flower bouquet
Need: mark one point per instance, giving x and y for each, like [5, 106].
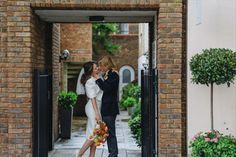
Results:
[100, 134]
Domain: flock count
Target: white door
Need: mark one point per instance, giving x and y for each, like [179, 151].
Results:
[127, 75]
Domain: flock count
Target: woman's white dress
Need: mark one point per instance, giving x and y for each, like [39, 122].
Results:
[92, 90]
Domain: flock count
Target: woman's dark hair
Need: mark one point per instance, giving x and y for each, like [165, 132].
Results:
[88, 69]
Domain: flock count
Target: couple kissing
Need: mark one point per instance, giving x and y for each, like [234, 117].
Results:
[100, 82]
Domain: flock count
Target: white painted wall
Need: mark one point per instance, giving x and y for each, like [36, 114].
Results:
[211, 24]
[143, 48]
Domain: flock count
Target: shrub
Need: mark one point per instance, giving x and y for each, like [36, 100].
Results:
[135, 92]
[137, 110]
[213, 144]
[67, 100]
[130, 102]
[135, 127]
[213, 66]
[130, 90]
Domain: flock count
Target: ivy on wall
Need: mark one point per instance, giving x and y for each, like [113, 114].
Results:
[102, 37]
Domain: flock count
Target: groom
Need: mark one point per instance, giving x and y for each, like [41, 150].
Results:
[109, 110]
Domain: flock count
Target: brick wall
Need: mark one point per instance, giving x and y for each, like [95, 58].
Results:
[133, 28]
[77, 38]
[3, 80]
[41, 43]
[16, 71]
[19, 80]
[56, 77]
[128, 54]
[172, 115]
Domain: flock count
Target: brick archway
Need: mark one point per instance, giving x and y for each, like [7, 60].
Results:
[22, 47]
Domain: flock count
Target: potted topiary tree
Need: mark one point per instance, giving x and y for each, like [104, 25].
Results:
[67, 101]
[129, 103]
[213, 66]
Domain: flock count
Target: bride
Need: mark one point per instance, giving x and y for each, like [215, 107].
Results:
[93, 106]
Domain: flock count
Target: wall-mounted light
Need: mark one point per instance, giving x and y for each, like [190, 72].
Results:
[64, 55]
[145, 66]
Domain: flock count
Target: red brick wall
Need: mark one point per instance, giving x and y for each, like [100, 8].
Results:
[128, 54]
[172, 115]
[41, 42]
[18, 70]
[133, 28]
[77, 38]
[3, 80]
[56, 77]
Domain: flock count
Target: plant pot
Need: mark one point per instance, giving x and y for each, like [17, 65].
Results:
[65, 122]
[130, 110]
[202, 154]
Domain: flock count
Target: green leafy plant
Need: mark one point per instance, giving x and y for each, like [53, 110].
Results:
[213, 144]
[213, 66]
[67, 100]
[135, 127]
[137, 110]
[102, 37]
[130, 90]
[130, 102]
[135, 91]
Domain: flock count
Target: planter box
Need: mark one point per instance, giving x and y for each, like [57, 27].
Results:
[66, 122]
[130, 110]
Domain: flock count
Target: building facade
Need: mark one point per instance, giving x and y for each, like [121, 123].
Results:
[210, 27]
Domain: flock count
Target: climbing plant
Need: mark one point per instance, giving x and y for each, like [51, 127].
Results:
[102, 37]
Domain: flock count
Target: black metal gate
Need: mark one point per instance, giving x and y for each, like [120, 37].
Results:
[42, 114]
[148, 111]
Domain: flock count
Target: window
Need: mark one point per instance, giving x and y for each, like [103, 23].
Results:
[124, 28]
[126, 76]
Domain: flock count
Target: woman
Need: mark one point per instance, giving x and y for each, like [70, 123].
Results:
[93, 106]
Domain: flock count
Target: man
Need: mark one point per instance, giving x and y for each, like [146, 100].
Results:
[109, 110]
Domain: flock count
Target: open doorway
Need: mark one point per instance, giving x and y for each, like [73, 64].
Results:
[145, 16]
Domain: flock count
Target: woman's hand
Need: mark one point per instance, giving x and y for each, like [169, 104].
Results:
[98, 117]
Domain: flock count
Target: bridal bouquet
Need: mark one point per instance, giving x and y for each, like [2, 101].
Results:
[100, 133]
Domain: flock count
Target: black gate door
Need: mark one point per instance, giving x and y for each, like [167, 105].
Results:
[42, 114]
[148, 111]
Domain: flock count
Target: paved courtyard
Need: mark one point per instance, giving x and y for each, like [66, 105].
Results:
[126, 144]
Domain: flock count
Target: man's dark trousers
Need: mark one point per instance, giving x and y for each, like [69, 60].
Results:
[111, 140]
[110, 108]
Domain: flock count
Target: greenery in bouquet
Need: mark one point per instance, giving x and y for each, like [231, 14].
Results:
[100, 134]
[213, 144]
